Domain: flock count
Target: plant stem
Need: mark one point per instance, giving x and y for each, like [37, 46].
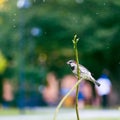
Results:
[76, 105]
[63, 99]
[75, 41]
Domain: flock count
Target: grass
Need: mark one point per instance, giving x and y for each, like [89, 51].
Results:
[47, 114]
[102, 119]
[11, 111]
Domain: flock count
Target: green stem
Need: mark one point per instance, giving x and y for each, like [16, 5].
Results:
[75, 41]
[63, 99]
[76, 104]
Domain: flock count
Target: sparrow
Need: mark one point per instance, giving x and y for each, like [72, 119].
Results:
[84, 72]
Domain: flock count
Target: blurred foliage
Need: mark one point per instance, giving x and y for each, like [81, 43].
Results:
[3, 63]
[39, 37]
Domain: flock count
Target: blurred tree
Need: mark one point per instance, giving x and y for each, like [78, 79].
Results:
[49, 26]
[3, 66]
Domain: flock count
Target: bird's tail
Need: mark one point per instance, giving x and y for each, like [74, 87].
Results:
[97, 83]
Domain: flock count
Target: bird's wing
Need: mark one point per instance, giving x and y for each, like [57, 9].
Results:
[84, 70]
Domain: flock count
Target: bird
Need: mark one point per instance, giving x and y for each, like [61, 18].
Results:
[84, 72]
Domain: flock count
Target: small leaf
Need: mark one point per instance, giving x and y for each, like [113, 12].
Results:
[77, 39]
[75, 36]
[73, 41]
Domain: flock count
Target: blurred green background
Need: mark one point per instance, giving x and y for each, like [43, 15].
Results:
[36, 37]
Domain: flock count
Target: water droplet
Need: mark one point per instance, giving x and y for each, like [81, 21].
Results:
[104, 4]
[79, 1]
[75, 20]
[13, 19]
[97, 13]
[14, 14]
[45, 33]
[14, 26]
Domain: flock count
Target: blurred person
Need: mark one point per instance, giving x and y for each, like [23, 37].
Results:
[66, 84]
[104, 90]
[81, 97]
[51, 91]
[87, 92]
[1, 89]
[85, 95]
[7, 94]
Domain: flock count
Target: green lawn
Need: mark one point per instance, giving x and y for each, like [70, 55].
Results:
[14, 111]
[64, 114]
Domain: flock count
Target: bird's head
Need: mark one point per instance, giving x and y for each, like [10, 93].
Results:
[72, 64]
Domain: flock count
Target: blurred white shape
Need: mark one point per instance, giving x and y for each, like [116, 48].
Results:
[105, 87]
[23, 4]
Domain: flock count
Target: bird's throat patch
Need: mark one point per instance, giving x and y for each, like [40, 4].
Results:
[72, 67]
